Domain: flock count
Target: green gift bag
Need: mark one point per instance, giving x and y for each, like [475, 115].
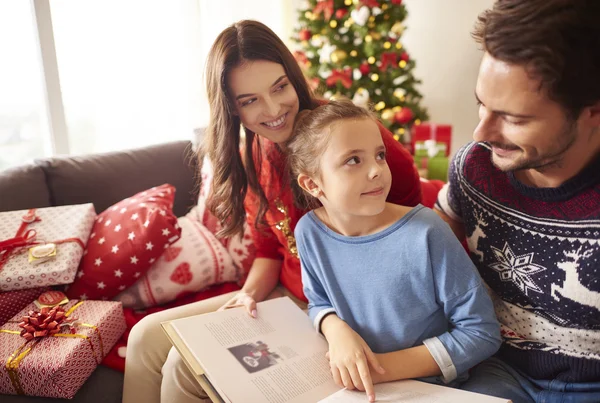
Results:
[431, 160]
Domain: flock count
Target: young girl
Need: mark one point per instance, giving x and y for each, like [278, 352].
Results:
[252, 80]
[389, 286]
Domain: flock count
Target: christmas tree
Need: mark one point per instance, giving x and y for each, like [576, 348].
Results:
[353, 48]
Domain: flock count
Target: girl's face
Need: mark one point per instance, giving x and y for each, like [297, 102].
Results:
[265, 99]
[355, 178]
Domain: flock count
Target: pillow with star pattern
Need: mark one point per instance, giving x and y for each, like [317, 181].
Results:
[126, 240]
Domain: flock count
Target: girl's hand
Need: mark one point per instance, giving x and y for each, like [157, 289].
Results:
[349, 359]
[241, 299]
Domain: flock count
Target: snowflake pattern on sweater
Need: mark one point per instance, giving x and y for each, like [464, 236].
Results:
[538, 250]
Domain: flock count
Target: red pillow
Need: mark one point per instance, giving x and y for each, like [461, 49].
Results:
[126, 239]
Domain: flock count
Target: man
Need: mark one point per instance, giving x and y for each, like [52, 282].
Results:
[526, 195]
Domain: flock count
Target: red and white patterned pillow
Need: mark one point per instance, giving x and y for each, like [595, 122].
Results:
[240, 248]
[196, 261]
[126, 240]
[199, 259]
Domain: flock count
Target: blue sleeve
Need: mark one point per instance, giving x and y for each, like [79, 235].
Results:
[474, 333]
[319, 304]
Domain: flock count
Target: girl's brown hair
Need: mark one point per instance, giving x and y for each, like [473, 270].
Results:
[557, 41]
[243, 41]
[309, 141]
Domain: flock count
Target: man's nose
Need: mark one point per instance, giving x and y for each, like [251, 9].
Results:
[485, 130]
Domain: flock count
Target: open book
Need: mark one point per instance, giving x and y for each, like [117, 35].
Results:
[279, 357]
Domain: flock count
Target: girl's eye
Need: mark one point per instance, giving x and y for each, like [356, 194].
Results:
[353, 161]
[381, 155]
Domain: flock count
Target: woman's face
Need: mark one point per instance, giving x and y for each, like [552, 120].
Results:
[265, 99]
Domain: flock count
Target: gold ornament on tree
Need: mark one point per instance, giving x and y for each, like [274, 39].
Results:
[338, 56]
[387, 114]
[398, 28]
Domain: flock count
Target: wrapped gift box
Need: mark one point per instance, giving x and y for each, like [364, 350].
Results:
[56, 366]
[430, 131]
[431, 159]
[12, 302]
[67, 227]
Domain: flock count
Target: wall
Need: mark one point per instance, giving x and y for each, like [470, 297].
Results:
[437, 37]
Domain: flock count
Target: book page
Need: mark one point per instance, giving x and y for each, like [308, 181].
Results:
[410, 391]
[275, 358]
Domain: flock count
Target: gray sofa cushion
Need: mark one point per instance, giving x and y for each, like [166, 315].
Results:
[108, 178]
[23, 188]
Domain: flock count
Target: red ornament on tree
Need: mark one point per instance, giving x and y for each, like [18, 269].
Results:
[341, 12]
[364, 68]
[304, 34]
[370, 3]
[300, 58]
[404, 57]
[403, 116]
[396, 2]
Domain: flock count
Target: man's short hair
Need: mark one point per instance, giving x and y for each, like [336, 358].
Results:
[557, 41]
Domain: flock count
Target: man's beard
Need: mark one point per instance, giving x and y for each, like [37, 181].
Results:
[551, 159]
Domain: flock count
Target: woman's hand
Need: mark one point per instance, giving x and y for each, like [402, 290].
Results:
[241, 299]
[350, 357]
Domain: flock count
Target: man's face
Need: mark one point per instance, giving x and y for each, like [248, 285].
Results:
[525, 129]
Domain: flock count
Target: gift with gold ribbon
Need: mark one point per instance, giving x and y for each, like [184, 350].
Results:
[51, 351]
[43, 247]
[13, 302]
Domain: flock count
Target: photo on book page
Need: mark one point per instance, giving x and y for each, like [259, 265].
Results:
[255, 356]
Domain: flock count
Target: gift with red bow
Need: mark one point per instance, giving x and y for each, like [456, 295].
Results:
[50, 350]
[42, 247]
[13, 302]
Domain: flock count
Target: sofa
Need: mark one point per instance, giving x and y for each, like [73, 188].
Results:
[105, 179]
[102, 179]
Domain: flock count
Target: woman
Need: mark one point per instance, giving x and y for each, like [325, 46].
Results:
[252, 80]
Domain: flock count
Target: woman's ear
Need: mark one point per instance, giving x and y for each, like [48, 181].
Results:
[309, 185]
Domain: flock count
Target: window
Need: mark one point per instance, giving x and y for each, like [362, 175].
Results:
[129, 73]
[23, 125]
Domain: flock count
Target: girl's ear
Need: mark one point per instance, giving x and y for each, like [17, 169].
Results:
[309, 185]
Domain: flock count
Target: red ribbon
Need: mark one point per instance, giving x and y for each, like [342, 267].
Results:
[19, 241]
[325, 7]
[21, 238]
[388, 58]
[24, 239]
[345, 77]
[44, 323]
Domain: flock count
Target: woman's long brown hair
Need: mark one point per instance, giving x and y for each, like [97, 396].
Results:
[243, 41]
